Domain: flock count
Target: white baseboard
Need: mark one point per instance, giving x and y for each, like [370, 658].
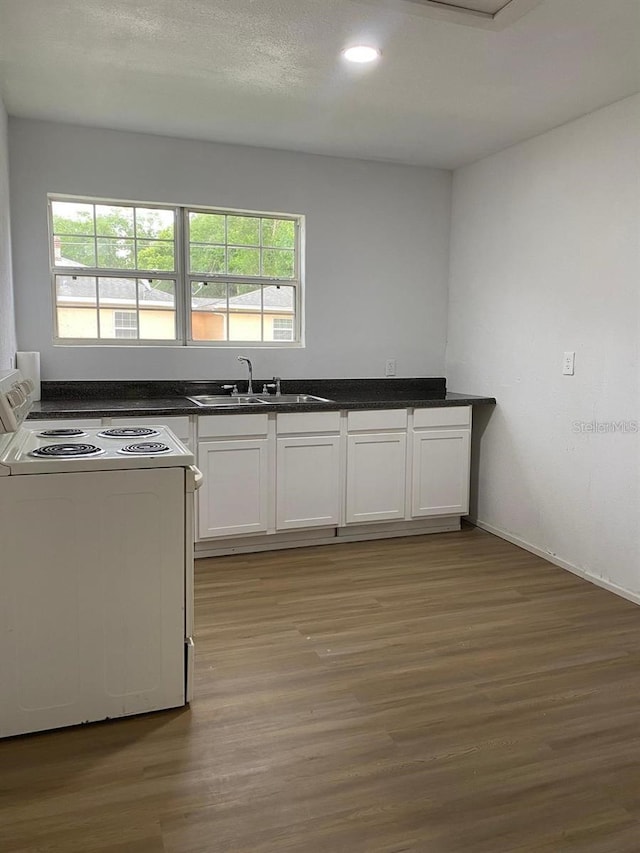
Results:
[557, 561]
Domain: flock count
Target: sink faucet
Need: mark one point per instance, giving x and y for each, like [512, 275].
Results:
[250, 366]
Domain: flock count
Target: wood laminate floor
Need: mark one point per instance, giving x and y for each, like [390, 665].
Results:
[441, 694]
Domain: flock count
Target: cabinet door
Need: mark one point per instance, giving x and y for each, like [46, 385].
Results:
[234, 496]
[440, 472]
[375, 477]
[308, 482]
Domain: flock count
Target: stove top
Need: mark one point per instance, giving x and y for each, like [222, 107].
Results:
[34, 451]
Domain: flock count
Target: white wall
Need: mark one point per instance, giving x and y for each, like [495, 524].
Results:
[377, 248]
[545, 258]
[7, 325]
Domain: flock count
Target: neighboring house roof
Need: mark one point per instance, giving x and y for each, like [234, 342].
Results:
[118, 292]
[66, 262]
[280, 298]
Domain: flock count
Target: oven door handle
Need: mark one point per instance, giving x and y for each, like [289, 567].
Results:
[198, 477]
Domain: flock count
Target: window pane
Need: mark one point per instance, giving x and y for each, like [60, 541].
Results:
[72, 218]
[277, 263]
[208, 311]
[207, 259]
[155, 255]
[116, 254]
[155, 223]
[245, 327]
[112, 221]
[244, 261]
[278, 232]
[117, 292]
[74, 251]
[243, 231]
[279, 313]
[76, 306]
[76, 289]
[157, 314]
[245, 313]
[77, 323]
[156, 293]
[206, 227]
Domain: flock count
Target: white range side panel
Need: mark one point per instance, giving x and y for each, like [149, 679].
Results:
[92, 596]
[440, 472]
[376, 476]
[308, 482]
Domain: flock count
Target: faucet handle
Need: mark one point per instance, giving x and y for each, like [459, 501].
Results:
[233, 388]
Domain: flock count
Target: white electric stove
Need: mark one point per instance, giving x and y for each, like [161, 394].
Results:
[50, 451]
[96, 575]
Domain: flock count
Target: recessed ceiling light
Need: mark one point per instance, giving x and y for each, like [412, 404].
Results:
[361, 53]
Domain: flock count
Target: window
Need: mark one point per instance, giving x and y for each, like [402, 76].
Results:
[139, 274]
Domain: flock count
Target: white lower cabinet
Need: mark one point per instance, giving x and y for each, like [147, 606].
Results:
[441, 450]
[440, 476]
[234, 498]
[307, 481]
[376, 472]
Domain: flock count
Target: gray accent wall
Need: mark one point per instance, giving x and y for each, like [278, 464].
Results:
[7, 320]
[377, 237]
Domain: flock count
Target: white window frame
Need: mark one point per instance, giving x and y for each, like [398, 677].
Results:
[182, 277]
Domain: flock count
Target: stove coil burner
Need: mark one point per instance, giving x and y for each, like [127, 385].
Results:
[145, 448]
[66, 451]
[63, 433]
[128, 432]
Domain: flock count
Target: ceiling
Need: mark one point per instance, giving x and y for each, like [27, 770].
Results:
[269, 72]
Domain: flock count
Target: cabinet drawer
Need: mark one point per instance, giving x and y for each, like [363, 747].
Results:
[311, 422]
[442, 416]
[178, 425]
[215, 426]
[377, 419]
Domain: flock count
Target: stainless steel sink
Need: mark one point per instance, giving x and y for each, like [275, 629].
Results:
[294, 398]
[226, 400]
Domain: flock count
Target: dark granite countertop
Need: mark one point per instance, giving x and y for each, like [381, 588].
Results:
[161, 398]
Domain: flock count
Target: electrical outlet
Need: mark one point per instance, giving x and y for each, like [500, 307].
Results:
[390, 367]
[568, 363]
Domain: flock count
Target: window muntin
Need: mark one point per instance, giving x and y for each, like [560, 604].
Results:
[239, 282]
